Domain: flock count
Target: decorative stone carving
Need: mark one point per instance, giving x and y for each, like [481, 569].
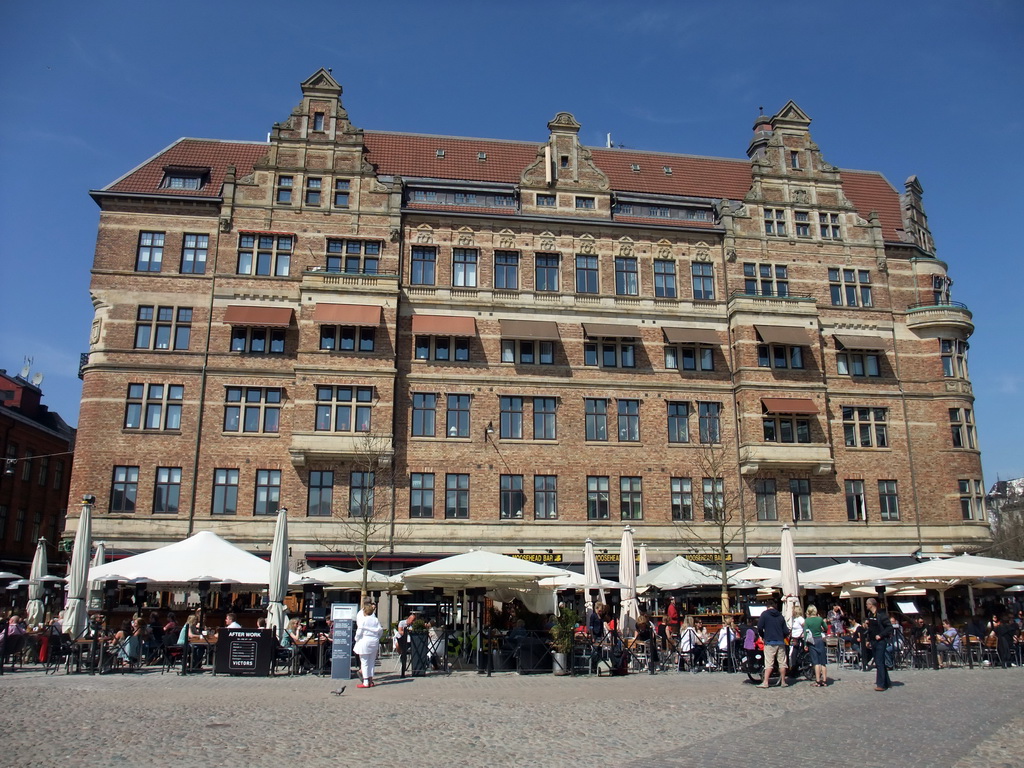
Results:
[801, 196]
[663, 249]
[702, 252]
[547, 241]
[225, 224]
[94, 334]
[395, 234]
[424, 234]
[464, 236]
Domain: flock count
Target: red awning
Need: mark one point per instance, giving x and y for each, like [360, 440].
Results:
[610, 331]
[784, 334]
[260, 317]
[788, 405]
[538, 330]
[441, 325]
[860, 342]
[691, 336]
[347, 314]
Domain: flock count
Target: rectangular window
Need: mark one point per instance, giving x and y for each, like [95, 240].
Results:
[58, 479]
[163, 328]
[596, 418]
[961, 425]
[764, 495]
[424, 407]
[342, 188]
[664, 279]
[343, 409]
[458, 416]
[511, 418]
[524, 352]
[150, 254]
[19, 525]
[252, 409]
[703, 275]
[348, 338]
[225, 492]
[709, 416]
[629, 421]
[441, 348]
[801, 492]
[597, 498]
[888, 500]
[318, 121]
[167, 491]
[714, 499]
[775, 222]
[802, 223]
[545, 497]
[681, 499]
[257, 341]
[194, 250]
[857, 364]
[954, 358]
[544, 418]
[421, 494]
[610, 354]
[353, 257]
[828, 224]
[865, 427]
[424, 260]
[360, 495]
[545, 201]
[512, 500]
[689, 357]
[966, 499]
[678, 422]
[786, 429]
[125, 489]
[585, 203]
[464, 267]
[765, 279]
[780, 356]
[261, 254]
[314, 191]
[631, 498]
[321, 493]
[546, 272]
[586, 274]
[506, 270]
[268, 492]
[284, 189]
[154, 406]
[856, 506]
[626, 277]
[456, 496]
[850, 287]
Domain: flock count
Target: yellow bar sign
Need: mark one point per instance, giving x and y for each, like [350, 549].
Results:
[537, 557]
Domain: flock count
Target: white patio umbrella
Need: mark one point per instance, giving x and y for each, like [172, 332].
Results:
[477, 568]
[277, 583]
[679, 573]
[627, 576]
[100, 555]
[644, 565]
[576, 581]
[790, 579]
[755, 573]
[592, 574]
[351, 580]
[841, 574]
[76, 613]
[36, 609]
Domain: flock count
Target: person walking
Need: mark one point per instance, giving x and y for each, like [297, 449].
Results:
[773, 629]
[367, 642]
[402, 640]
[815, 627]
[879, 632]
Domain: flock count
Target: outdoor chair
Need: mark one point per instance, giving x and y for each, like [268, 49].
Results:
[127, 655]
[171, 653]
[14, 647]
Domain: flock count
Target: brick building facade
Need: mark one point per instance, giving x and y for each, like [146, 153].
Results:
[36, 447]
[518, 345]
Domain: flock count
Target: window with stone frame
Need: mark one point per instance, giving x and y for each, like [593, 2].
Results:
[545, 272]
[342, 192]
[681, 490]
[506, 270]
[320, 494]
[703, 281]
[511, 500]
[154, 407]
[961, 426]
[828, 226]
[252, 410]
[597, 497]
[972, 499]
[800, 491]
[865, 427]
[761, 279]
[267, 498]
[631, 498]
[124, 489]
[888, 500]
[587, 274]
[314, 191]
[283, 195]
[456, 501]
[163, 328]
[194, 251]
[610, 354]
[167, 491]
[264, 254]
[421, 494]
[353, 257]
[775, 222]
[464, 267]
[765, 499]
[627, 281]
[545, 497]
[343, 409]
[149, 255]
[856, 503]
[954, 358]
[664, 279]
[850, 287]
[423, 265]
[225, 492]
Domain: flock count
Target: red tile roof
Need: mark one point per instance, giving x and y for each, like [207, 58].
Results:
[414, 155]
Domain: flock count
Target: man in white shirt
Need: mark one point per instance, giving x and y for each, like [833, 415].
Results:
[230, 622]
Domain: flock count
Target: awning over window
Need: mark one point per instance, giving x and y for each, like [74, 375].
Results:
[788, 405]
[259, 317]
[691, 336]
[784, 334]
[860, 342]
[347, 314]
[441, 325]
[538, 330]
[610, 331]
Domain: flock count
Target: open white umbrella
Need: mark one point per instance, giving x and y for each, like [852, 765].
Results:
[627, 577]
[790, 579]
[755, 573]
[679, 573]
[477, 568]
[644, 565]
[277, 583]
[352, 580]
[591, 574]
[36, 609]
[576, 581]
[76, 614]
[841, 574]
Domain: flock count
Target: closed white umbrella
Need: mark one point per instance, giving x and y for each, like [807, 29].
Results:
[277, 583]
[76, 614]
[627, 576]
[591, 574]
[790, 579]
[644, 565]
[36, 609]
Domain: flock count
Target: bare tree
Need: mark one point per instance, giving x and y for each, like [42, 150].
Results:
[719, 520]
[1006, 512]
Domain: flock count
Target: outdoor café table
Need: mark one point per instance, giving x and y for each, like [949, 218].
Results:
[208, 643]
[302, 654]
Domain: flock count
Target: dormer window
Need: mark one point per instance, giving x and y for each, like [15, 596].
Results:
[481, 155]
[635, 167]
[667, 169]
[187, 179]
[439, 154]
[318, 121]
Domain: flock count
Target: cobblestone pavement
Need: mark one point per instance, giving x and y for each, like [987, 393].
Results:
[962, 718]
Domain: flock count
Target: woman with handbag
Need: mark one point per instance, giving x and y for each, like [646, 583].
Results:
[814, 637]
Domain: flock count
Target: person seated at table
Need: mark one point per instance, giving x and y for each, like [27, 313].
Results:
[14, 627]
[292, 634]
[691, 644]
[171, 625]
[231, 622]
[947, 642]
[516, 635]
[724, 641]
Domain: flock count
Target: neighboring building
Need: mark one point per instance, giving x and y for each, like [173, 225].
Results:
[35, 471]
[550, 339]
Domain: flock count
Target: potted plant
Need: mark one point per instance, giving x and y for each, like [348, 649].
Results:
[563, 635]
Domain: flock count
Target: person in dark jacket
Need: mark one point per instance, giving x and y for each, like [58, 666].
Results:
[879, 632]
[773, 628]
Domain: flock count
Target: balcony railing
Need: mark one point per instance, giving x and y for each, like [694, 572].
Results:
[948, 314]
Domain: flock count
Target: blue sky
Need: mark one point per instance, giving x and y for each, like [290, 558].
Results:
[90, 90]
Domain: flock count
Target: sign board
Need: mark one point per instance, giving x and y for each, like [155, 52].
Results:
[537, 557]
[343, 616]
[707, 557]
[244, 652]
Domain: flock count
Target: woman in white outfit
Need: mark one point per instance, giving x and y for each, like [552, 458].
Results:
[368, 632]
